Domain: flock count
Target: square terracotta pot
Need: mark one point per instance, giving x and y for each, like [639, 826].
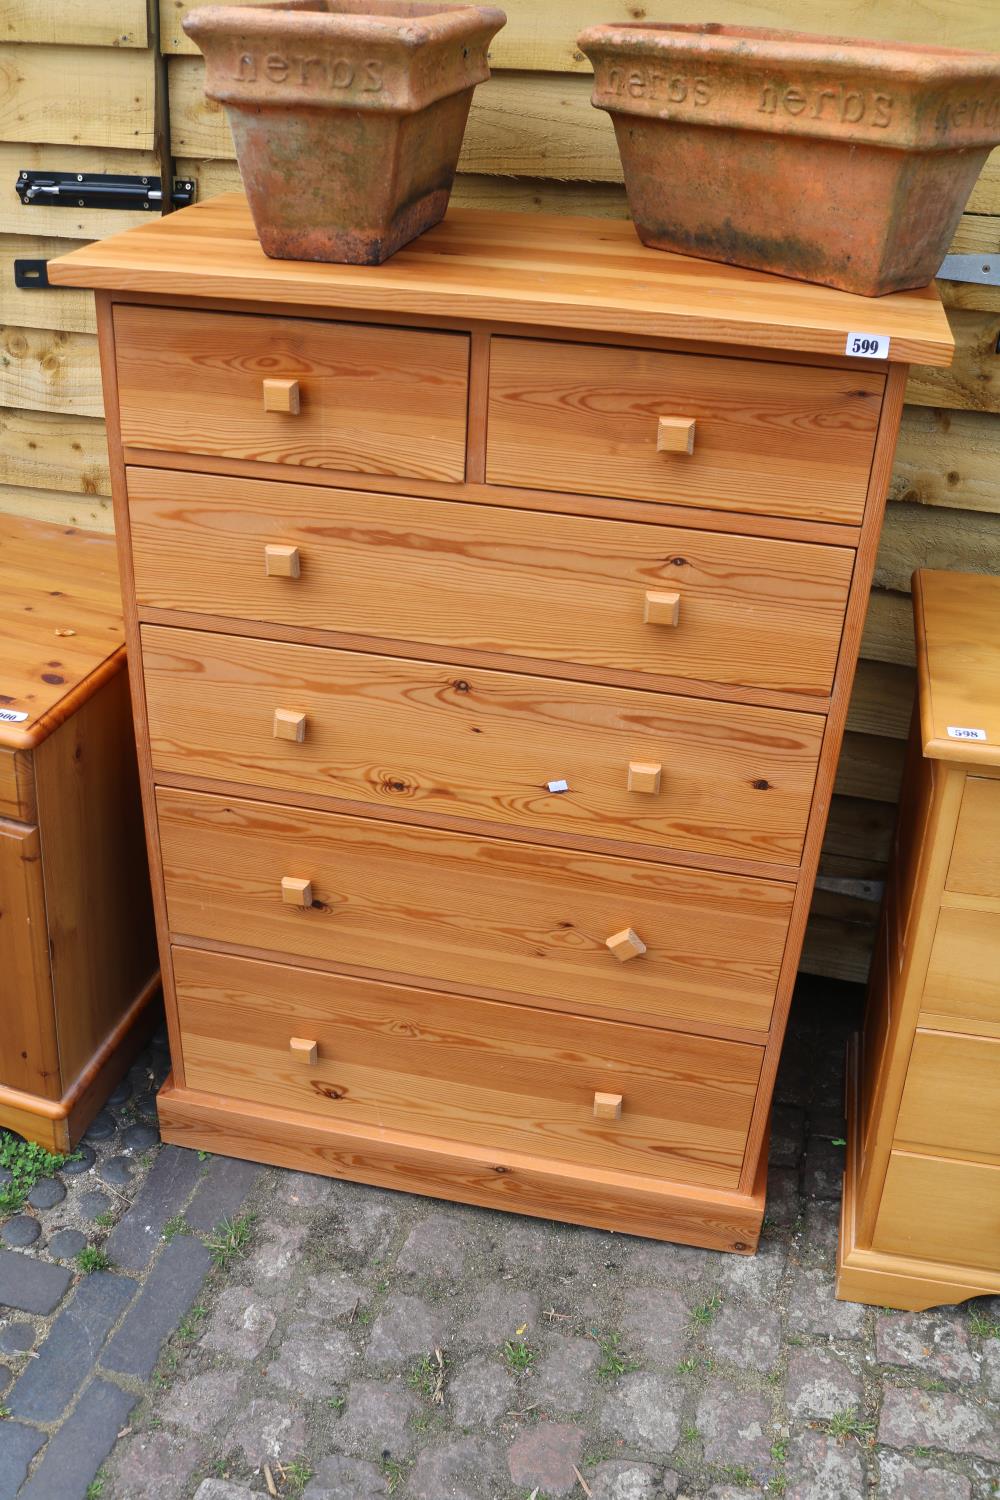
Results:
[829, 159]
[347, 115]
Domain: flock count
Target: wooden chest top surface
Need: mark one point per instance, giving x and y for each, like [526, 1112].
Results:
[539, 269]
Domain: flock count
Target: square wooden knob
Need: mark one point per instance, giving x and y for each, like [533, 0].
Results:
[644, 776]
[625, 945]
[296, 892]
[303, 1050]
[607, 1106]
[282, 396]
[281, 561]
[675, 434]
[661, 608]
[289, 725]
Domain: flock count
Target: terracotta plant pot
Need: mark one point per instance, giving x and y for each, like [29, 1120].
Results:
[347, 115]
[824, 158]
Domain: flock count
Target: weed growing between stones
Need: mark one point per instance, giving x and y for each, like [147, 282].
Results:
[395, 1473]
[613, 1361]
[90, 1259]
[27, 1164]
[706, 1311]
[520, 1356]
[175, 1225]
[850, 1424]
[229, 1239]
[982, 1326]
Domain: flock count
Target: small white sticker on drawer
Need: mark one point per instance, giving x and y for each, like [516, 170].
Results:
[868, 345]
[12, 716]
[956, 732]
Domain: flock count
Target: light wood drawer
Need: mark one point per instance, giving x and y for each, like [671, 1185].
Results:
[737, 434]
[27, 1041]
[975, 857]
[951, 1099]
[755, 613]
[484, 915]
[962, 987]
[17, 794]
[450, 741]
[503, 1076]
[365, 400]
[937, 1209]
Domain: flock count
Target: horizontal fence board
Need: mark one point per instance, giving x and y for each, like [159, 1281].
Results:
[837, 948]
[860, 828]
[928, 536]
[888, 633]
[69, 222]
[78, 23]
[54, 451]
[69, 308]
[882, 699]
[972, 381]
[86, 96]
[541, 34]
[948, 458]
[44, 369]
[91, 511]
[870, 766]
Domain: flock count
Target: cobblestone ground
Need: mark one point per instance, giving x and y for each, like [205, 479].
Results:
[343, 1343]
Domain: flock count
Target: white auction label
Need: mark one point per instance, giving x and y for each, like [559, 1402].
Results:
[12, 716]
[868, 345]
[956, 732]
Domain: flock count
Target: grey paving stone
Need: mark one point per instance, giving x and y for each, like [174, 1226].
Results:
[904, 1479]
[479, 1392]
[406, 1328]
[240, 1324]
[620, 1479]
[31, 1285]
[278, 1250]
[117, 1172]
[496, 1315]
[455, 1469]
[170, 1289]
[736, 1427]
[657, 1322]
[821, 1468]
[47, 1193]
[76, 1452]
[812, 1307]
[820, 1385]
[817, 1243]
[66, 1243]
[81, 1161]
[199, 1403]
[20, 1231]
[435, 1247]
[120, 1095]
[17, 1338]
[644, 1409]
[164, 1193]
[311, 1359]
[18, 1446]
[788, 1127]
[563, 1378]
[656, 1260]
[335, 1294]
[546, 1456]
[303, 1189]
[140, 1137]
[340, 1478]
[991, 1368]
[92, 1204]
[264, 1430]
[153, 1466]
[746, 1336]
[101, 1128]
[755, 1278]
[938, 1419]
[48, 1382]
[376, 1420]
[366, 1219]
[5, 1377]
[935, 1342]
[221, 1193]
[783, 1202]
[823, 1174]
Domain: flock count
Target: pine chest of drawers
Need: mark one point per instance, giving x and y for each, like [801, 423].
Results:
[921, 1214]
[493, 617]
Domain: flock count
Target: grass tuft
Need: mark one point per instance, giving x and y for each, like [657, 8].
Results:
[229, 1239]
[613, 1361]
[90, 1259]
[850, 1424]
[520, 1356]
[27, 1164]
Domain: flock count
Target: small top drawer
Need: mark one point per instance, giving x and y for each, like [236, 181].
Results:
[975, 857]
[16, 785]
[727, 434]
[341, 396]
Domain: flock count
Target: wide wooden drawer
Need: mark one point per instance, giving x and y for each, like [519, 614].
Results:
[730, 434]
[653, 769]
[362, 400]
[951, 1098]
[481, 914]
[488, 1074]
[752, 612]
[942, 1210]
[975, 858]
[962, 987]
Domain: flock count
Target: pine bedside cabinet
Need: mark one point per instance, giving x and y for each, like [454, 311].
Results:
[493, 614]
[921, 1218]
[78, 961]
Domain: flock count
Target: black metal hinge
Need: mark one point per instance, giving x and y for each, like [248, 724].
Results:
[101, 190]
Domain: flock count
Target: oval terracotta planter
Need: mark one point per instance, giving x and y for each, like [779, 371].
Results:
[829, 159]
[347, 115]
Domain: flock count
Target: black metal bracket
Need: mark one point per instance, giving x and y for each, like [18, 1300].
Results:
[32, 275]
[101, 190]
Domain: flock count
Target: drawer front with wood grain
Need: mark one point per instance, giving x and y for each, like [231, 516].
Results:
[729, 434]
[29, 1059]
[938, 1209]
[612, 595]
[342, 396]
[951, 1099]
[619, 937]
[962, 987]
[975, 856]
[510, 1077]
[531, 753]
[16, 785]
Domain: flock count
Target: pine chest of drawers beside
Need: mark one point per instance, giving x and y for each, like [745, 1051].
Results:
[492, 618]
